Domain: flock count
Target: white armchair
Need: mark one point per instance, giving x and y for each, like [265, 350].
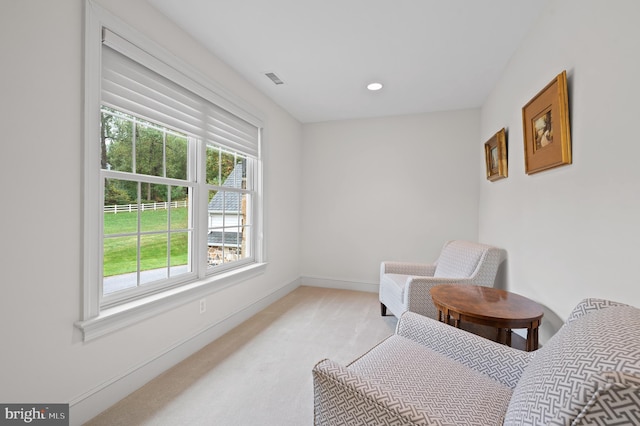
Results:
[405, 286]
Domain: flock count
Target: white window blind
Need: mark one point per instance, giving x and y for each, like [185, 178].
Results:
[132, 81]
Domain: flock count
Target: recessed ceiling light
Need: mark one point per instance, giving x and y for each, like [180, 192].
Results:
[374, 86]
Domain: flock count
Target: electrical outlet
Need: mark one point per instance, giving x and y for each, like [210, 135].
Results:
[203, 305]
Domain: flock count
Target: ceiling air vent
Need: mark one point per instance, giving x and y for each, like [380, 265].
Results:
[274, 78]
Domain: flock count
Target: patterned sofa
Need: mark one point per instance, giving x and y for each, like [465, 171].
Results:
[429, 373]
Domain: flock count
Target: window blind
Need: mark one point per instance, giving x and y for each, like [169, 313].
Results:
[138, 83]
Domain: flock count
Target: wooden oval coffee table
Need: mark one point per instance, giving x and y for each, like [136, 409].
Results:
[488, 306]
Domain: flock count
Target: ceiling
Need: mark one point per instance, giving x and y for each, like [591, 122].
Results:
[430, 55]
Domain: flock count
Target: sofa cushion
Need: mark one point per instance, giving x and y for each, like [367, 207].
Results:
[459, 259]
[565, 377]
[447, 389]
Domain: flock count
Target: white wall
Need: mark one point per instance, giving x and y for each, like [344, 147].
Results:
[393, 188]
[572, 232]
[43, 357]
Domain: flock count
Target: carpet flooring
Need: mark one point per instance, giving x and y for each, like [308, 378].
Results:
[260, 372]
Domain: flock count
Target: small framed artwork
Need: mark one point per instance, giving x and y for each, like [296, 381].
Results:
[495, 155]
[545, 121]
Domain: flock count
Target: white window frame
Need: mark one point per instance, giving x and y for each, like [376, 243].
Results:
[97, 320]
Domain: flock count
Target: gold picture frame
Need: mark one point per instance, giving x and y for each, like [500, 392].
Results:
[545, 123]
[495, 155]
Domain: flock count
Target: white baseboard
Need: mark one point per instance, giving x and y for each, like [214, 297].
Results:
[98, 399]
[340, 284]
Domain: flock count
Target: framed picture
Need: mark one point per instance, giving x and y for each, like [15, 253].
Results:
[495, 155]
[545, 121]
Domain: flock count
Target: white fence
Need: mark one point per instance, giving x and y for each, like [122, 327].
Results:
[120, 208]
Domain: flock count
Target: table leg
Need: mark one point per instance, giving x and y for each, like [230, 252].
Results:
[532, 336]
[456, 321]
[503, 335]
[447, 316]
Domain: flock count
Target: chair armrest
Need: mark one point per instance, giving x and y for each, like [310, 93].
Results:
[434, 281]
[408, 268]
[342, 397]
[417, 293]
[498, 361]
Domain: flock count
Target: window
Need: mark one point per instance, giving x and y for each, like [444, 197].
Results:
[147, 190]
[172, 180]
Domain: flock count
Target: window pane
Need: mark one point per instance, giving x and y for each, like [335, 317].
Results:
[226, 208]
[237, 178]
[153, 212]
[180, 253]
[232, 250]
[233, 238]
[225, 246]
[120, 209]
[149, 150]
[153, 257]
[220, 164]
[216, 208]
[116, 142]
[177, 151]
[245, 202]
[179, 208]
[227, 165]
[216, 223]
[120, 263]
[213, 165]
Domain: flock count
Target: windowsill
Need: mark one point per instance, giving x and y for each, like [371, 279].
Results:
[121, 316]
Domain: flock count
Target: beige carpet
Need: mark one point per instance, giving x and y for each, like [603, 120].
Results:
[260, 372]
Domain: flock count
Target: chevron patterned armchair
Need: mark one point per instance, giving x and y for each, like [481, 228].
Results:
[405, 286]
[429, 373]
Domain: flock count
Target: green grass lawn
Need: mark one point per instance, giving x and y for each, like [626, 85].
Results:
[121, 253]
